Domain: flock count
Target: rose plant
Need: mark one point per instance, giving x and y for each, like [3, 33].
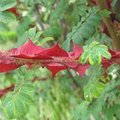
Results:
[59, 60]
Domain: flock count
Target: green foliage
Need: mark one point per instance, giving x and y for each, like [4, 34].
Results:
[54, 101]
[85, 28]
[6, 33]
[101, 38]
[38, 96]
[94, 53]
[3, 27]
[7, 16]
[106, 107]
[8, 36]
[105, 13]
[31, 33]
[16, 104]
[94, 87]
[45, 40]
[53, 31]
[60, 10]
[37, 36]
[6, 4]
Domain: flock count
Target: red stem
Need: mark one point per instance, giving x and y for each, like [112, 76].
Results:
[6, 90]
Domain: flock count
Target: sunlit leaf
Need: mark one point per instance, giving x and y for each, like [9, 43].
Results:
[6, 4]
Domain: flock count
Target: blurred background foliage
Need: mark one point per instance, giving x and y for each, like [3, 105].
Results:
[67, 96]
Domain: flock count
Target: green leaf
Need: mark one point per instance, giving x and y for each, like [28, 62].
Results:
[85, 28]
[72, 1]
[93, 90]
[28, 88]
[105, 53]
[93, 87]
[106, 13]
[45, 40]
[5, 35]
[14, 106]
[38, 34]
[7, 17]
[6, 4]
[53, 31]
[3, 27]
[31, 32]
[81, 111]
[94, 53]
[17, 103]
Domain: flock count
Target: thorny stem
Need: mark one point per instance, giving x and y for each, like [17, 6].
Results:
[22, 61]
[61, 60]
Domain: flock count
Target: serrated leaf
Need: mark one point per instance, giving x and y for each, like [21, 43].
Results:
[3, 27]
[7, 17]
[6, 4]
[79, 110]
[93, 87]
[105, 53]
[105, 13]
[27, 98]
[83, 58]
[94, 59]
[53, 31]
[66, 45]
[45, 40]
[16, 104]
[94, 53]
[85, 28]
[31, 32]
[38, 34]
[90, 60]
[93, 90]
[28, 87]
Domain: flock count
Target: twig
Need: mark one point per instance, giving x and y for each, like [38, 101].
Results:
[6, 90]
